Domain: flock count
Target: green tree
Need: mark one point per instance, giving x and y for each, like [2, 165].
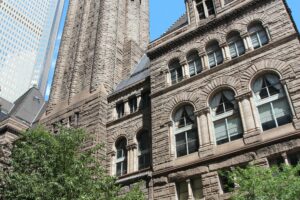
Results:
[261, 183]
[49, 167]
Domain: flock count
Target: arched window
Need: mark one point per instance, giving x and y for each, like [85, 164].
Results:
[194, 61]
[271, 102]
[185, 130]
[258, 35]
[121, 159]
[235, 44]
[226, 117]
[143, 150]
[175, 71]
[214, 53]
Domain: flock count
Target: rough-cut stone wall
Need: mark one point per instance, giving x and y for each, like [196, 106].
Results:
[96, 37]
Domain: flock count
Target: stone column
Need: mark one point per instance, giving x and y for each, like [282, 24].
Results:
[185, 69]
[139, 100]
[126, 108]
[205, 62]
[135, 161]
[225, 51]
[251, 133]
[249, 43]
[206, 145]
[113, 163]
[129, 159]
[190, 190]
[172, 142]
[245, 41]
[286, 160]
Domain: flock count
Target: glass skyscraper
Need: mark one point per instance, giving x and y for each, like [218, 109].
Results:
[28, 31]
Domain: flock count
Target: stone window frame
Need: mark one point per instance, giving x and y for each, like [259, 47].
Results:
[213, 48]
[264, 28]
[283, 95]
[192, 57]
[176, 68]
[205, 14]
[188, 183]
[232, 38]
[174, 132]
[143, 153]
[235, 113]
[124, 160]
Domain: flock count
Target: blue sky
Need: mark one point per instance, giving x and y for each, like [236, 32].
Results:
[163, 13]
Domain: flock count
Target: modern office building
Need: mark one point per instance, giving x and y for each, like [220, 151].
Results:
[28, 31]
[219, 90]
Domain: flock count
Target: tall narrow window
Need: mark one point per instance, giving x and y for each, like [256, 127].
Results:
[133, 104]
[143, 150]
[226, 183]
[185, 130]
[258, 35]
[226, 117]
[176, 72]
[194, 61]
[182, 190]
[205, 8]
[214, 53]
[271, 102]
[121, 159]
[235, 44]
[120, 110]
[145, 100]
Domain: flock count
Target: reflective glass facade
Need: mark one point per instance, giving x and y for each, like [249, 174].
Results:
[28, 30]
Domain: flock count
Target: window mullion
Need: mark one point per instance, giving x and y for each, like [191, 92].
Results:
[236, 48]
[226, 125]
[273, 114]
[186, 143]
[257, 35]
[215, 57]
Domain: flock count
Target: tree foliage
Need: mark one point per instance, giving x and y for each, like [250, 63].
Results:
[261, 183]
[48, 167]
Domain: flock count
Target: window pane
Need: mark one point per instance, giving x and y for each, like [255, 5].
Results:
[241, 47]
[211, 59]
[197, 188]
[119, 169]
[294, 159]
[182, 191]
[235, 129]
[181, 144]
[219, 56]
[192, 141]
[210, 7]
[192, 68]
[232, 50]
[173, 76]
[266, 117]
[144, 161]
[282, 112]
[220, 132]
[255, 41]
[263, 37]
[179, 74]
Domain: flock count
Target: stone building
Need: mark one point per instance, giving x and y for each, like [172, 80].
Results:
[220, 89]
[17, 117]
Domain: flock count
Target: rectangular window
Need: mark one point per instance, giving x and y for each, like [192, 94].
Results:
[76, 120]
[294, 158]
[227, 184]
[120, 110]
[205, 8]
[182, 191]
[133, 104]
[197, 188]
[186, 143]
[276, 161]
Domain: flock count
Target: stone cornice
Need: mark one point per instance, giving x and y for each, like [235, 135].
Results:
[159, 49]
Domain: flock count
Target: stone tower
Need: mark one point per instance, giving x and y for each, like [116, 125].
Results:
[102, 40]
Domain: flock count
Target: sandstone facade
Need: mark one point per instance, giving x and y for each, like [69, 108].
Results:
[104, 84]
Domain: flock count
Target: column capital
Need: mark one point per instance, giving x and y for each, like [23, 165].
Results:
[244, 96]
[203, 111]
[131, 146]
[183, 62]
[169, 123]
